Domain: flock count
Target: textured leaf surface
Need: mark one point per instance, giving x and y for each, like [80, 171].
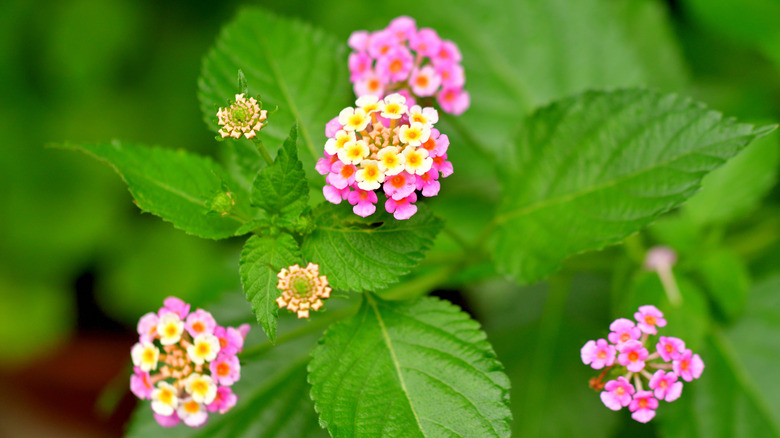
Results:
[409, 369]
[368, 254]
[282, 187]
[176, 185]
[273, 398]
[261, 259]
[289, 64]
[590, 170]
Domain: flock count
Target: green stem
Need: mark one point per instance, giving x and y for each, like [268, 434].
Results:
[534, 405]
[314, 326]
[263, 151]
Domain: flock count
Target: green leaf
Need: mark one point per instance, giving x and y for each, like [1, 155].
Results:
[409, 369]
[727, 280]
[273, 398]
[261, 259]
[368, 254]
[178, 186]
[289, 64]
[282, 188]
[737, 187]
[587, 171]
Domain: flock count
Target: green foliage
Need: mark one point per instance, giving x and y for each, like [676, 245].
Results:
[281, 189]
[368, 254]
[262, 258]
[734, 189]
[407, 369]
[289, 64]
[177, 186]
[587, 171]
[727, 280]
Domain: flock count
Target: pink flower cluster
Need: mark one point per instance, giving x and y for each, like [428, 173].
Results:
[625, 354]
[384, 144]
[185, 364]
[413, 62]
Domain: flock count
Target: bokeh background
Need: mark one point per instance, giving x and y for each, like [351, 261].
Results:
[80, 263]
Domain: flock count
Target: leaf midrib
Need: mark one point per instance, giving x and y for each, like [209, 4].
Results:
[522, 211]
[396, 365]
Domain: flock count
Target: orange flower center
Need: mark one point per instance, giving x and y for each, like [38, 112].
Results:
[396, 66]
[347, 171]
[601, 354]
[669, 348]
[684, 365]
[642, 403]
[650, 320]
[422, 80]
[198, 327]
[223, 369]
[429, 145]
[398, 181]
[191, 407]
[633, 356]
[624, 337]
[620, 390]
[374, 84]
[223, 342]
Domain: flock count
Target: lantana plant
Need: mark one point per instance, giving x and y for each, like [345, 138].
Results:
[577, 174]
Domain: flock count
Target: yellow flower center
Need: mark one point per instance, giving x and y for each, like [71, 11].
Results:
[166, 396]
[200, 387]
[203, 348]
[148, 355]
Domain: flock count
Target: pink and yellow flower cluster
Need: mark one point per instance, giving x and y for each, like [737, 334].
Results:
[416, 63]
[185, 364]
[384, 144]
[635, 355]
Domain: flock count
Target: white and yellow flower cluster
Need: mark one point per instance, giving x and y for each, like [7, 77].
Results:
[377, 140]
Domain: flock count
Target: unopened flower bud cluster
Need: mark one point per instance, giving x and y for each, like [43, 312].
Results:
[634, 354]
[303, 289]
[384, 145]
[185, 364]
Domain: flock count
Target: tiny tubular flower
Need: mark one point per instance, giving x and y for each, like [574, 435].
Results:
[598, 354]
[622, 331]
[670, 348]
[415, 134]
[371, 84]
[224, 401]
[147, 326]
[665, 386]
[353, 152]
[342, 175]
[427, 116]
[242, 117]
[226, 369]
[201, 387]
[141, 384]
[648, 318]
[400, 186]
[454, 100]
[170, 328]
[632, 355]
[364, 202]
[192, 413]
[183, 362]
[688, 366]
[617, 393]
[396, 64]
[200, 321]
[342, 137]
[402, 209]
[354, 119]
[303, 289]
[165, 399]
[425, 82]
[369, 103]
[370, 176]
[417, 160]
[204, 348]
[390, 161]
[643, 406]
[394, 106]
[145, 356]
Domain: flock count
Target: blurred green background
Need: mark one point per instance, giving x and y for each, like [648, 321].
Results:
[80, 263]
